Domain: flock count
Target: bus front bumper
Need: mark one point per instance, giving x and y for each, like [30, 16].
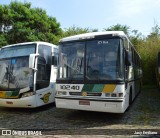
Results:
[100, 105]
[26, 102]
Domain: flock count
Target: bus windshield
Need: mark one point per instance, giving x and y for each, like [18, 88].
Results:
[91, 60]
[72, 61]
[14, 67]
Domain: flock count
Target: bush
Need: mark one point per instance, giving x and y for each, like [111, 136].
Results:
[148, 50]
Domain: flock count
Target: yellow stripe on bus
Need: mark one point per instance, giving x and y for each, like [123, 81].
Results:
[109, 88]
[2, 94]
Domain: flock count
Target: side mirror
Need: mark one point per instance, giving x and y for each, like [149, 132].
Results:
[128, 58]
[32, 59]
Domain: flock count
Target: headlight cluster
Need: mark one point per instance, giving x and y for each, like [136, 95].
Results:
[27, 94]
[114, 94]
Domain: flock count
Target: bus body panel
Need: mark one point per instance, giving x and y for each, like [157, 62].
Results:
[97, 100]
[100, 106]
[26, 102]
[46, 95]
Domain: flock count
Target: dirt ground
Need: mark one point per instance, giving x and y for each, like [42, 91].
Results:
[142, 119]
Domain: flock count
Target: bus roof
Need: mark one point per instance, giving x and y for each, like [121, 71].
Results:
[92, 35]
[25, 43]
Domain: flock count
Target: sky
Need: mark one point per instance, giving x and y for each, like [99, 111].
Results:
[139, 15]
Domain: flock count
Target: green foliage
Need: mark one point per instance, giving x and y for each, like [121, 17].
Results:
[3, 40]
[77, 30]
[21, 23]
[119, 27]
[135, 37]
[148, 49]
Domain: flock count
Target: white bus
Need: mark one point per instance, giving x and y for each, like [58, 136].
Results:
[98, 71]
[28, 74]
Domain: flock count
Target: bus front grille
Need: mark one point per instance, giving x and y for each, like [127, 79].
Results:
[87, 93]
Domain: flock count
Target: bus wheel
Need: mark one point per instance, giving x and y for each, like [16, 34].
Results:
[130, 97]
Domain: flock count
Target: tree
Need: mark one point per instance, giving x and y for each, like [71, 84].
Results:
[136, 38]
[77, 30]
[155, 32]
[119, 27]
[21, 23]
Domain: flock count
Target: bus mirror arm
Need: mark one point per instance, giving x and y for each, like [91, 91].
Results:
[128, 58]
[32, 59]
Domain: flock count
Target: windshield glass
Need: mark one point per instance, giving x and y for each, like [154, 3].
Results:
[103, 60]
[14, 67]
[16, 51]
[91, 60]
[71, 61]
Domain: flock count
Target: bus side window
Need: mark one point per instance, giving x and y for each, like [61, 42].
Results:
[44, 67]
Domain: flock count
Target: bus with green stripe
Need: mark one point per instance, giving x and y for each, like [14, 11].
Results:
[98, 71]
[28, 74]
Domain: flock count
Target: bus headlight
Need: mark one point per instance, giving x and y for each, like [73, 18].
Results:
[114, 94]
[120, 94]
[111, 94]
[108, 95]
[61, 93]
[27, 94]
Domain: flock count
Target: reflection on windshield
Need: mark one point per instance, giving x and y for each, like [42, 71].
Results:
[102, 57]
[72, 61]
[15, 73]
[14, 67]
[103, 61]
[17, 51]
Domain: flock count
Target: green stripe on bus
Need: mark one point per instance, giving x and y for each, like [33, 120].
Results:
[11, 93]
[87, 87]
[93, 87]
[98, 87]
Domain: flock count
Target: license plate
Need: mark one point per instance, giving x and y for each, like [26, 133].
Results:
[84, 102]
[9, 102]
[2, 94]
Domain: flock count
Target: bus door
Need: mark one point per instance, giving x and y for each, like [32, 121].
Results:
[54, 65]
[44, 89]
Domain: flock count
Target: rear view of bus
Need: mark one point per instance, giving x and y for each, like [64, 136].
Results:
[27, 75]
[98, 71]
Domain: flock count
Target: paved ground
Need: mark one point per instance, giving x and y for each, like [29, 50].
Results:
[144, 114]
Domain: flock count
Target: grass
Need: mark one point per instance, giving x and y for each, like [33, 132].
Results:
[149, 87]
[148, 105]
[144, 118]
